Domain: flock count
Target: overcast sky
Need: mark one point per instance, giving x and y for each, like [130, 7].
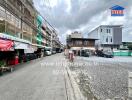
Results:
[84, 15]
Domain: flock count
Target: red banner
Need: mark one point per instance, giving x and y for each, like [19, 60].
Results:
[6, 45]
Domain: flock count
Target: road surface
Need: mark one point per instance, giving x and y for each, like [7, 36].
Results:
[35, 80]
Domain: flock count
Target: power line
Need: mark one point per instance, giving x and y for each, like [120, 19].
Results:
[45, 18]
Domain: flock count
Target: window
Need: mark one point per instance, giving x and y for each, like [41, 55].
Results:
[101, 30]
[8, 16]
[106, 39]
[78, 42]
[111, 40]
[107, 31]
[85, 43]
[19, 5]
[2, 12]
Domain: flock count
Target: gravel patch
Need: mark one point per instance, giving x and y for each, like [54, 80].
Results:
[103, 78]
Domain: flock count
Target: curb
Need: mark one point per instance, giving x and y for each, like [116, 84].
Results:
[75, 88]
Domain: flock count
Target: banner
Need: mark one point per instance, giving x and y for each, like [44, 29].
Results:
[6, 45]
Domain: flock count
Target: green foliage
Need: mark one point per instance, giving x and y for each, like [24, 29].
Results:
[2, 63]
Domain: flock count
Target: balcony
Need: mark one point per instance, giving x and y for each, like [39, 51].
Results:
[27, 37]
[12, 26]
[27, 32]
[8, 28]
[17, 7]
[16, 3]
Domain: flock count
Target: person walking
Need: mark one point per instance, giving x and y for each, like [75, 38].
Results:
[71, 56]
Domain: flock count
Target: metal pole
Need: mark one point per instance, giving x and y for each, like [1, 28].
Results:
[51, 41]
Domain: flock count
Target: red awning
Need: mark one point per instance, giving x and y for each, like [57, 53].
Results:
[6, 45]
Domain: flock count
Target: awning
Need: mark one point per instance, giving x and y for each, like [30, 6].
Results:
[21, 45]
[9, 37]
[6, 45]
[31, 49]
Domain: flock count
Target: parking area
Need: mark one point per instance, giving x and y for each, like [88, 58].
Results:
[116, 59]
[106, 78]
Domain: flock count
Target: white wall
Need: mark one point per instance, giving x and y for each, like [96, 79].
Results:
[93, 34]
[104, 35]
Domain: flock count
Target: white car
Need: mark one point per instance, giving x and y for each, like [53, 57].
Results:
[48, 53]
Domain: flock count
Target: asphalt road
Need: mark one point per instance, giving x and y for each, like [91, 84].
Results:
[107, 78]
[35, 80]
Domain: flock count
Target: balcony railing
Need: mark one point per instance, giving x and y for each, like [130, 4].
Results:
[27, 37]
[9, 24]
[19, 11]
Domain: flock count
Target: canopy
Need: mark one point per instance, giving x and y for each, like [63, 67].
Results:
[6, 45]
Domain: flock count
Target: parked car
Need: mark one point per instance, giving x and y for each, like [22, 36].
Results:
[53, 50]
[84, 53]
[29, 57]
[58, 50]
[107, 54]
[48, 51]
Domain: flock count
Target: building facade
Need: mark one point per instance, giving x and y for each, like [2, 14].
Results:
[77, 42]
[109, 36]
[81, 42]
[75, 34]
[22, 27]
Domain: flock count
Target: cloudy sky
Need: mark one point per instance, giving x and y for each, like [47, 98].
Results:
[84, 15]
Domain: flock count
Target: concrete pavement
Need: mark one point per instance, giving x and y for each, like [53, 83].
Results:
[38, 80]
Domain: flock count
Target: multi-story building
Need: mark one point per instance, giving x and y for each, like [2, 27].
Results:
[20, 22]
[51, 38]
[76, 34]
[48, 36]
[54, 39]
[20, 28]
[109, 36]
[44, 34]
[22, 32]
[76, 42]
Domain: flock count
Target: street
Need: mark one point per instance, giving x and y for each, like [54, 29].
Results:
[105, 78]
[65, 50]
[32, 81]
[45, 79]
